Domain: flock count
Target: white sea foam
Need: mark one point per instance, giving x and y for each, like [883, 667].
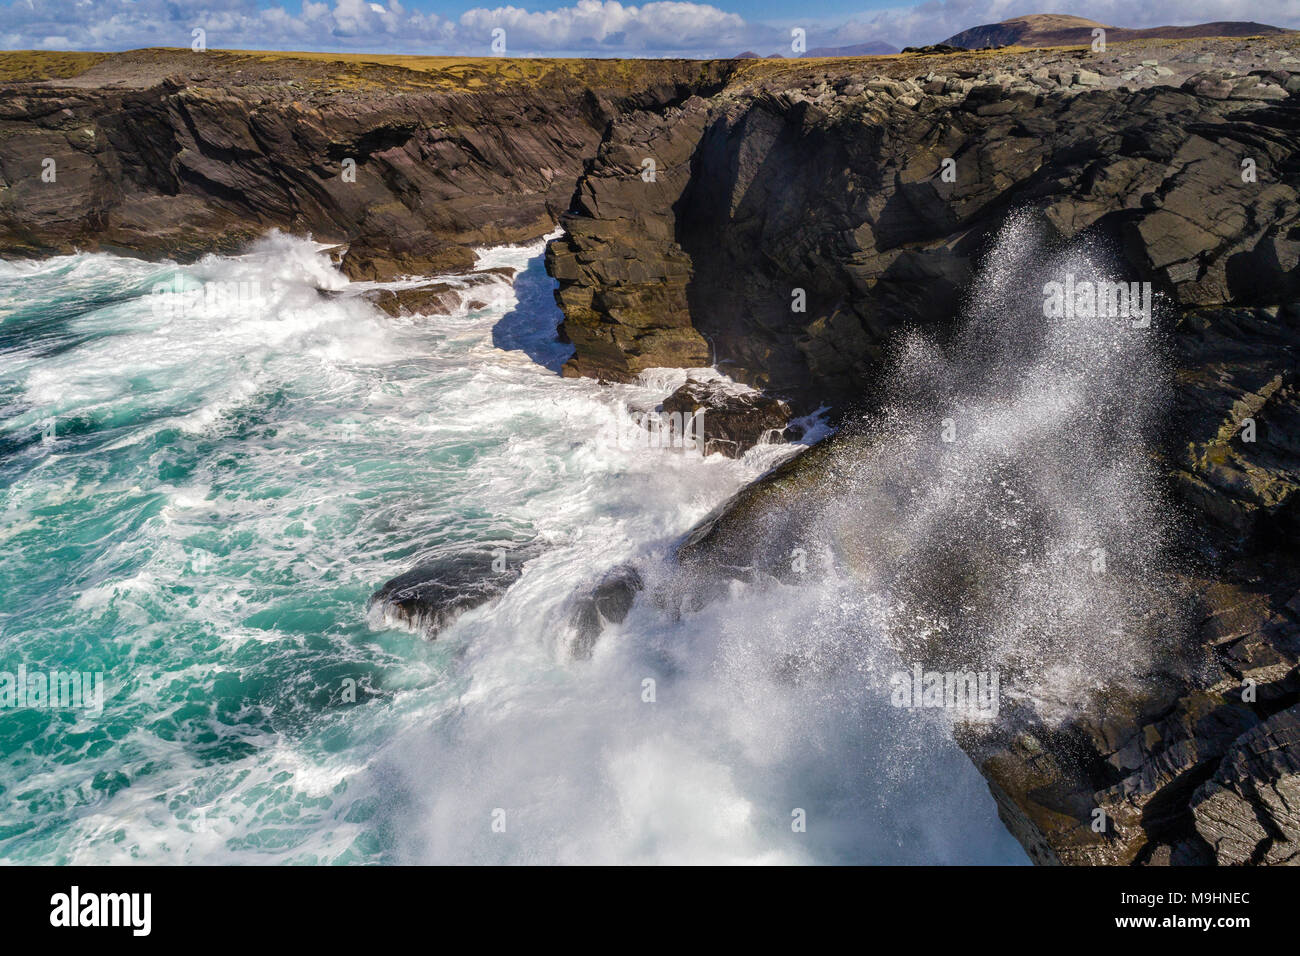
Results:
[269, 470]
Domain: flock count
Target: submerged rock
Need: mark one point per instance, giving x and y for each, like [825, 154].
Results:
[608, 602]
[437, 591]
[439, 298]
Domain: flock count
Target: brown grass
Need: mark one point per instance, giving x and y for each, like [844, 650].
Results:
[344, 71]
[18, 66]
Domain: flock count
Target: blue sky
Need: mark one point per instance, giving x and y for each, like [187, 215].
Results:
[562, 27]
[776, 11]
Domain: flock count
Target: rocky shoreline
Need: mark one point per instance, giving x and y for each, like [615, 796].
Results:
[795, 218]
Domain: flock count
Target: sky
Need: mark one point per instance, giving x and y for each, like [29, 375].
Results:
[562, 27]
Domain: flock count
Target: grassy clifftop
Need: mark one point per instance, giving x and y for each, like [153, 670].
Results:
[343, 71]
[18, 66]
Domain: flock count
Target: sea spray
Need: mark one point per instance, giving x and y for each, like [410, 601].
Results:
[1000, 512]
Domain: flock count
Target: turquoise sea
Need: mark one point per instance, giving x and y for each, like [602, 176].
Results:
[197, 504]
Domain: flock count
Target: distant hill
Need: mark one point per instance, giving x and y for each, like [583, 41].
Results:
[1051, 29]
[874, 48]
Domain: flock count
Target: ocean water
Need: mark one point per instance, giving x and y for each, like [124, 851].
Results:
[199, 503]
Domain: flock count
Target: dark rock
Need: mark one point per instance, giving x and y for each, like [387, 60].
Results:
[432, 595]
[1249, 812]
[437, 298]
[722, 246]
[173, 153]
[1234, 437]
[731, 421]
[933, 48]
[608, 602]
[759, 524]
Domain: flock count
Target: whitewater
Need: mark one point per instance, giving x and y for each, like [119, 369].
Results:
[199, 507]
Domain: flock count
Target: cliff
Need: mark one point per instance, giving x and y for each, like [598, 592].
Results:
[170, 153]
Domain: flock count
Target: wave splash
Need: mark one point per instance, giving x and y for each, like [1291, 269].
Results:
[1001, 514]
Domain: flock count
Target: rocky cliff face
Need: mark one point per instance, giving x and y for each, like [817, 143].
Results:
[167, 153]
[796, 221]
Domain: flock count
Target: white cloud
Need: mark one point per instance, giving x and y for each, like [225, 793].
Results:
[607, 24]
[593, 27]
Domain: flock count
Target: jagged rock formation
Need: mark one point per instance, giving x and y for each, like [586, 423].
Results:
[1249, 812]
[622, 274]
[795, 227]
